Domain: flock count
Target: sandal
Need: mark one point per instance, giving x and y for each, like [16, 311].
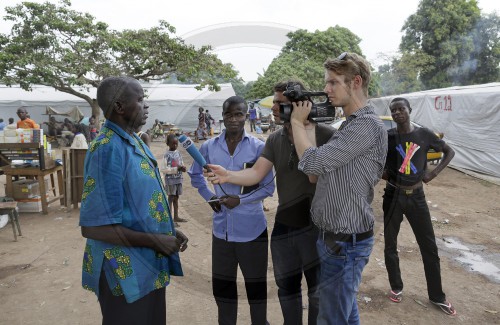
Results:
[446, 307]
[396, 295]
[180, 220]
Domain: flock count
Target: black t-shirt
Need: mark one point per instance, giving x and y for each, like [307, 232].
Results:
[414, 145]
[295, 192]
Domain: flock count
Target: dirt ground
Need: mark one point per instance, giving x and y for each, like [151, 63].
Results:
[40, 273]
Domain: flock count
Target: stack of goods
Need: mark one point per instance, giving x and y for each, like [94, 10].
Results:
[9, 134]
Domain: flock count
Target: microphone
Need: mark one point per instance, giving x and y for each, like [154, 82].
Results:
[188, 144]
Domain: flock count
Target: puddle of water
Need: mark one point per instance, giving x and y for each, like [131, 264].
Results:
[474, 258]
[476, 263]
[453, 243]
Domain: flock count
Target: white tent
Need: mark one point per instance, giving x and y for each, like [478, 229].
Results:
[171, 103]
[469, 117]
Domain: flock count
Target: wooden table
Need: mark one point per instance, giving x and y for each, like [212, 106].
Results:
[15, 173]
[25, 151]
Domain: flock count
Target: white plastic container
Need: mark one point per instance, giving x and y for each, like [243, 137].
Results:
[10, 139]
[10, 132]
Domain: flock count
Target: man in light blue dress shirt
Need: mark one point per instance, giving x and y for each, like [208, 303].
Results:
[239, 223]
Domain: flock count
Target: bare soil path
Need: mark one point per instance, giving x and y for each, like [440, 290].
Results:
[40, 274]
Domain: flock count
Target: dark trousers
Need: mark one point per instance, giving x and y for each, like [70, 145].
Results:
[252, 125]
[294, 253]
[252, 258]
[150, 309]
[396, 203]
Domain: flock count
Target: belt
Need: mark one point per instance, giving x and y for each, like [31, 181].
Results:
[408, 190]
[330, 236]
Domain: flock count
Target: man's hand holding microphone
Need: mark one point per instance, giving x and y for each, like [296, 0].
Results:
[230, 201]
[219, 175]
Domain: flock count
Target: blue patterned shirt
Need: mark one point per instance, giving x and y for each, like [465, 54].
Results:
[122, 185]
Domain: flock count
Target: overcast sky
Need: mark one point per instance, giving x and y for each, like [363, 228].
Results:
[377, 23]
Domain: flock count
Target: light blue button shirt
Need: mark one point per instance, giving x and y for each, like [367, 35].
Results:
[247, 221]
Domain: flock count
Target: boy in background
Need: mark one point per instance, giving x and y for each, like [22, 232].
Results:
[173, 167]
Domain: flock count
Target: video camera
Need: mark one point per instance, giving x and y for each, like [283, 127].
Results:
[320, 112]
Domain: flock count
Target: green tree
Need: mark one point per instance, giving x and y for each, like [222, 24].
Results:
[401, 73]
[55, 46]
[288, 66]
[302, 59]
[484, 63]
[241, 88]
[440, 31]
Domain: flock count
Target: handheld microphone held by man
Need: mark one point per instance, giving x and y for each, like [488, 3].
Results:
[188, 144]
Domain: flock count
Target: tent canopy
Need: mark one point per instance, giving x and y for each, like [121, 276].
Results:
[75, 114]
[170, 103]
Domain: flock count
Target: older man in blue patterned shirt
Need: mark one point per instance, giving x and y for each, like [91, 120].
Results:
[132, 246]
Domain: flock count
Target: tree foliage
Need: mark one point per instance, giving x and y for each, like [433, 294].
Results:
[302, 59]
[240, 88]
[449, 43]
[485, 59]
[55, 46]
[401, 73]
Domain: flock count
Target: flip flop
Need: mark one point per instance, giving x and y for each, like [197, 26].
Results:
[180, 220]
[446, 307]
[396, 296]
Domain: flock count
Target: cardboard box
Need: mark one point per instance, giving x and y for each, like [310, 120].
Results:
[27, 188]
[30, 205]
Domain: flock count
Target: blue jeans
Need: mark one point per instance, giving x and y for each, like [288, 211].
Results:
[294, 253]
[341, 268]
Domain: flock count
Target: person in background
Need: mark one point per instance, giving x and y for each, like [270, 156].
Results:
[85, 131]
[144, 136]
[272, 122]
[405, 172]
[252, 116]
[25, 122]
[209, 120]
[37, 126]
[173, 167]
[201, 131]
[348, 167]
[239, 223]
[157, 129]
[132, 245]
[93, 129]
[55, 128]
[293, 239]
[79, 140]
[68, 126]
[2, 124]
[11, 121]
